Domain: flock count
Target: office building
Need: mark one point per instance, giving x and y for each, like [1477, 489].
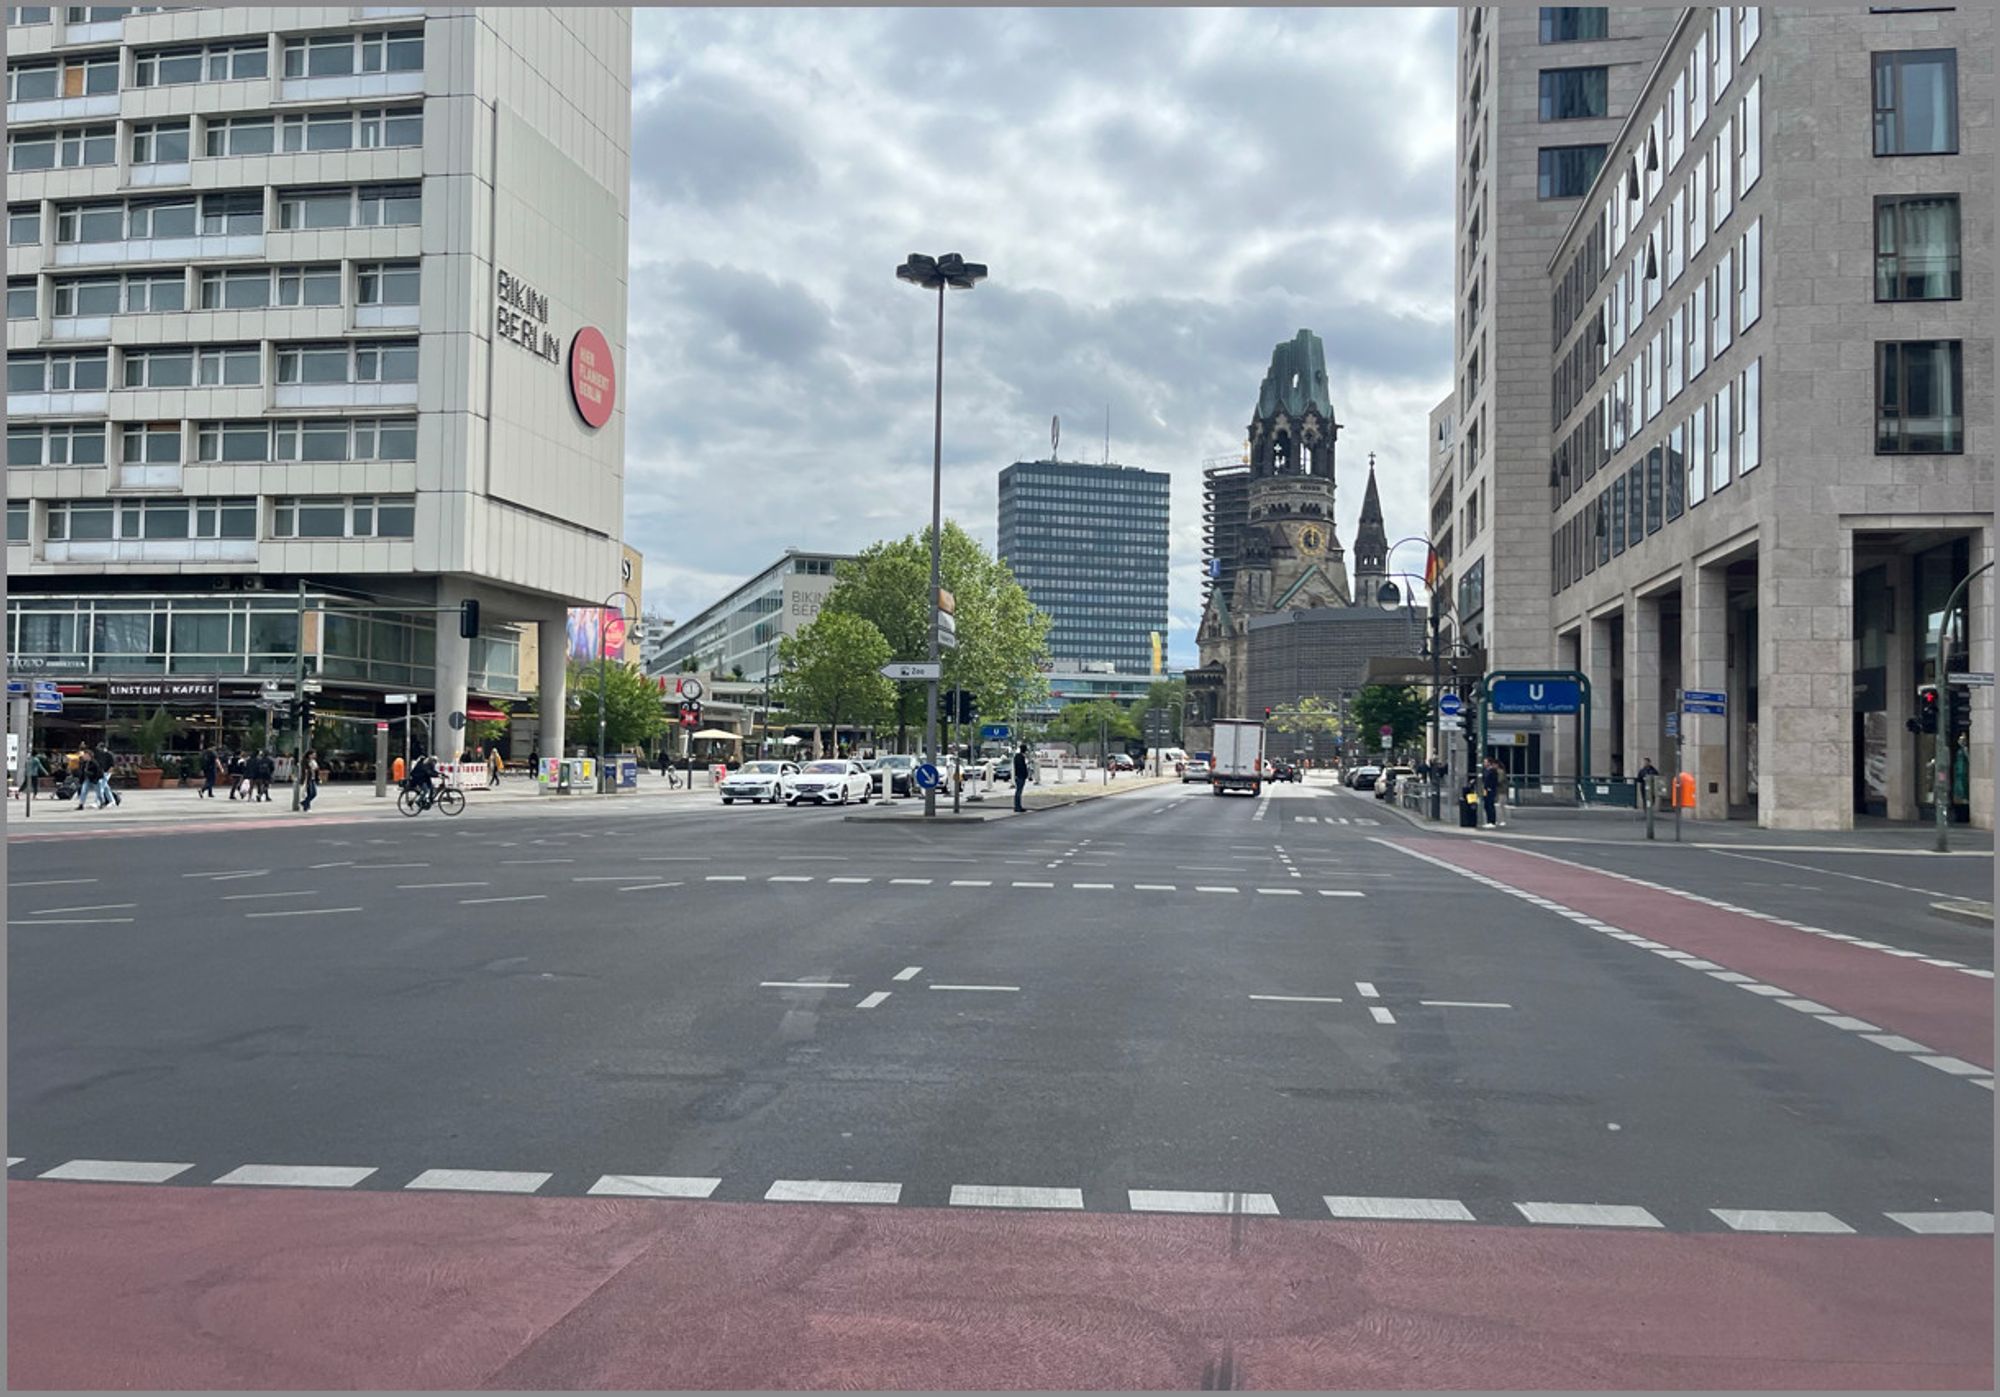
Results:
[328, 299]
[1768, 396]
[740, 633]
[1088, 543]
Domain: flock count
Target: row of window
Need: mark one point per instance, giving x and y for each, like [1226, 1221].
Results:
[292, 517]
[218, 288]
[234, 60]
[84, 14]
[226, 213]
[169, 142]
[215, 366]
[259, 442]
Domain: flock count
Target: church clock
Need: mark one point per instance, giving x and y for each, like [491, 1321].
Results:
[1310, 540]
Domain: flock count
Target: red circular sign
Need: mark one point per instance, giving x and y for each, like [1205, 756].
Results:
[593, 382]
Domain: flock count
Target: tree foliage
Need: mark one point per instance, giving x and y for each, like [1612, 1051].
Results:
[1170, 697]
[1310, 714]
[1083, 724]
[1400, 707]
[832, 671]
[633, 714]
[1001, 635]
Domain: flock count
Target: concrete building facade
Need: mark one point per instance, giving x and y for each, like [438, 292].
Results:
[320, 297]
[742, 630]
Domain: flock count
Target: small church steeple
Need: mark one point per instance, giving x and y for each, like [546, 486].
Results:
[1371, 544]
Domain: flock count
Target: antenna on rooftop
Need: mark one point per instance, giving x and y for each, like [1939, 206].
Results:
[1107, 434]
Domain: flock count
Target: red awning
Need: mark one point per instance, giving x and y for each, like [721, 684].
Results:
[478, 714]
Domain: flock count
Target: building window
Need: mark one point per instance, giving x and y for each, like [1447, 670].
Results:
[1697, 192]
[1675, 473]
[1918, 397]
[1573, 94]
[386, 283]
[1748, 27]
[1917, 247]
[56, 444]
[1723, 192]
[1724, 277]
[1722, 52]
[17, 521]
[57, 373]
[1569, 171]
[308, 439]
[342, 55]
[74, 77]
[1750, 276]
[1750, 137]
[218, 62]
[28, 14]
[393, 361]
[159, 368]
[1718, 458]
[88, 296]
[1567, 24]
[1698, 330]
[160, 142]
[1618, 525]
[239, 135]
[371, 206]
[1697, 466]
[24, 226]
[76, 521]
[151, 294]
[1676, 122]
[1697, 75]
[1916, 102]
[370, 129]
[1749, 438]
[1676, 337]
[21, 300]
[339, 516]
[63, 150]
[255, 288]
[152, 444]
[1656, 489]
[231, 214]
[231, 366]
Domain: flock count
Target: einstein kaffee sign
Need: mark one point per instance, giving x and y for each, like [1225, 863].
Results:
[521, 317]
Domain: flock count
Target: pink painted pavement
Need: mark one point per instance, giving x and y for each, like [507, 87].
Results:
[126, 1286]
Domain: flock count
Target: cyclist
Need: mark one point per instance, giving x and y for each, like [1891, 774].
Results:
[423, 777]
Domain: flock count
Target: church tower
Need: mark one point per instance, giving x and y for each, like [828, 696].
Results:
[1371, 544]
[1292, 558]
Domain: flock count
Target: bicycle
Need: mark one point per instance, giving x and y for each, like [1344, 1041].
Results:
[449, 800]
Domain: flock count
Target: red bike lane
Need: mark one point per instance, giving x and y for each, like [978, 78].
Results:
[1947, 1010]
[133, 1286]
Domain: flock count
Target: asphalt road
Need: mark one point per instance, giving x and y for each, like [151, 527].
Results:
[1294, 1007]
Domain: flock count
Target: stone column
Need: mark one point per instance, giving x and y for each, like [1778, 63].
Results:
[1642, 685]
[551, 682]
[452, 674]
[1705, 665]
[1598, 668]
[1805, 686]
[1904, 645]
[1559, 757]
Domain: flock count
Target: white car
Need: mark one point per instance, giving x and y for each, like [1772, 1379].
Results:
[1196, 770]
[759, 781]
[832, 783]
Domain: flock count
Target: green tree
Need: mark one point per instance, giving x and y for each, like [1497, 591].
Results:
[633, 715]
[832, 670]
[1310, 714]
[486, 732]
[1399, 707]
[1093, 724]
[1001, 635]
[1167, 695]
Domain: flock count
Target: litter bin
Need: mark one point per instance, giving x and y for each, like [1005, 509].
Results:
[1468, 807]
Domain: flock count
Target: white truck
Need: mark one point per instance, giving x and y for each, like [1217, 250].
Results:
[1239, 757]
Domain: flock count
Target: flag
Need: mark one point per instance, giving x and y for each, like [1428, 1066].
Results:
[1431, 568]
[1156, 650]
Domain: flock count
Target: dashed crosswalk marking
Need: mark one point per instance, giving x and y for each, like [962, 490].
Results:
[653, 1186]
[479, 1180]
[1587, 1214]
[113, 1171]
[1764, 1220]
[831, 1191]
[297, 1175]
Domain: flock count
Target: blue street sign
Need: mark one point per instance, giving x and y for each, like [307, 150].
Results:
[1673, 725]
[926, 776]
[48, 703]
[46, 686]
[993, 732]
[1714, 710]
[1450, 705]
[1534, 696]
[1704, 696]
[17, 686]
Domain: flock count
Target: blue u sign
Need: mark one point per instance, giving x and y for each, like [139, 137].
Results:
[1535, 696]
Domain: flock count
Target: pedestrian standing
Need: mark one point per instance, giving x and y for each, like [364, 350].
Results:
[261, 767]
[1648, 775]
[1489, 789]
[494, 766]
[87, 782]
[309, 773]
[210, 766]
[1020, 776]
[32, 771]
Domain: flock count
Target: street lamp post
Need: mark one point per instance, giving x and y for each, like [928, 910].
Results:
[937, 273]
[1388, 595]
[1941, 745]
[604, 782]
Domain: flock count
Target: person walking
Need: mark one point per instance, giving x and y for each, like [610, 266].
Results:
[1020, 777]
[1648, 776]
[105, 763]
[32, 772]
[495, 764]
[1489, 790]
[210, 768]
[88, 776]
[238, 777]
[309, 773]
[261, 767]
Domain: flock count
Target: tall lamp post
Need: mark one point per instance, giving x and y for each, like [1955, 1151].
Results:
[1389, 595]
[604, 782]
[935, 274]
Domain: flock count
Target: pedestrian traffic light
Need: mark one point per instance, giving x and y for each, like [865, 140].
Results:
[1958, 715]
[1267, 712]
[1927, 709]
[306, 715]
[468, 619]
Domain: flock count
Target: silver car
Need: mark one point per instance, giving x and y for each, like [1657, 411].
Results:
[832, 783]
[759, 781]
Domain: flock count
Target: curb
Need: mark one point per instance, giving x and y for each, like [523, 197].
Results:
[1977, 914]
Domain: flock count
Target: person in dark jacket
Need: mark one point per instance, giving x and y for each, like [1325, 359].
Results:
[91, 774]
[105, 764]
[309, 773]
[261, 767]
[211, 767]
[1020, 776]
[1489, 791]
[239, 777]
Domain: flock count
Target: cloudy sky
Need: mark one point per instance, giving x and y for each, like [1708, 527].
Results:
[1162, 195]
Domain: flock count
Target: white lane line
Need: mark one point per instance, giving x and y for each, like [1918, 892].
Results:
[1700, 965]
[1937, 1224]
[850, 880]
[1200, 889]
[380, 867]
[296, 1175]
[790, 878]
[1731, 977]
[92, 907]
[517, 897]
[51, 882]
[1956, 1066]
[831, 1191]
[1154, 888]
[1280, 892]
[652, 1186]
[252, 897]
[803, 985]
[1380, 1014]
[1463, 1004]
[1341, 892]
[479, 1180]
[911, 882]
[972, 882]
[411, 887]
[673, 858]
[647, 887]
[1366, 990]
[998, 989]
[1852, 1025]
[872, 1000]
[1093, 887]
[518, 862]
[1402, 1209]
[1588, 1214]
[115, 1171]
[337, 863]
[304, 912]
[1149, 1200]
[1005, 1196]
[1034, 885]
[1805, 1006]
[1297, 998]
[1895, 1043]
[601, 877]
[908, 972]
[727, 878]
[225, 873]
[1763, 1220]
[1767, 991]
[14, 1159]
[70, 921]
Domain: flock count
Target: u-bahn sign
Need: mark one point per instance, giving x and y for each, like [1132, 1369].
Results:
[1534, 696]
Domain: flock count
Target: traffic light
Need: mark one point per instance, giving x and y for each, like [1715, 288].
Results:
[1958, 715]
[1267, 712]
[1927, 709]
[306, 715]
[468, 619]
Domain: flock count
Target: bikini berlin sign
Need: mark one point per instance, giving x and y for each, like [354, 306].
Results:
[593, 381]
[521, 314]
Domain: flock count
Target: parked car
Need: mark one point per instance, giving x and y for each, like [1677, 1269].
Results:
[1386, 783]
[759, 781]
[1362, 778]
[833, 782]
[1284, 771]
[892, 776]
[1120, 761]
[1196, 770]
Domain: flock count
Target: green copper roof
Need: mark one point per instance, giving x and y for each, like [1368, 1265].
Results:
[1296, 382]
